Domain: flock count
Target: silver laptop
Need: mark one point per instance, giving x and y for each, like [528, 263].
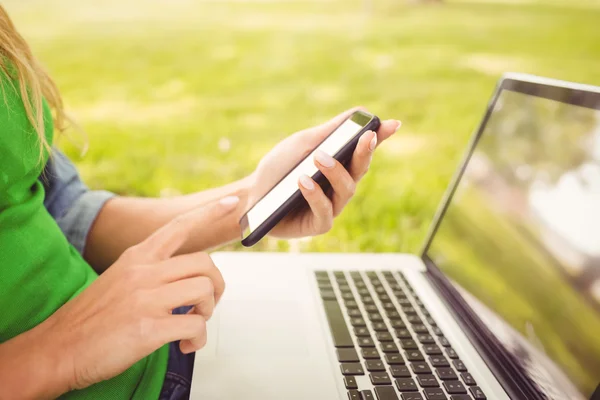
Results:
[503, 302]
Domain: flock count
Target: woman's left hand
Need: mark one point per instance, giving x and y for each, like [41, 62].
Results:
[318, 217]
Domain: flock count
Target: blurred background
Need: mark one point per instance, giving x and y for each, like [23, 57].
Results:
[178, 96]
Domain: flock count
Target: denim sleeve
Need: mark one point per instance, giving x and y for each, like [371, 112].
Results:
[69, 201]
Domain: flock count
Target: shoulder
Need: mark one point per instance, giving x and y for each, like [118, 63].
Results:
[19, 142]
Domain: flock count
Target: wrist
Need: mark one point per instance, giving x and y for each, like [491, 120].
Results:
[32, 366]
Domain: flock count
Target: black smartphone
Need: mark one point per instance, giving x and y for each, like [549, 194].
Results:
[285, 196]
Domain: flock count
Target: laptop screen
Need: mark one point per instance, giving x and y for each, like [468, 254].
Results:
[520, 237]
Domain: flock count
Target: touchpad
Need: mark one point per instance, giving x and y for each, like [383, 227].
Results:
[261, 327]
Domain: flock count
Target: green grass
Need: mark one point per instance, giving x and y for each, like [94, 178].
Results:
[158, 84]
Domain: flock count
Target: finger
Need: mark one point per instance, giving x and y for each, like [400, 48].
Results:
[319, 203]
[387, 128]
[163, 243]
[189, 328]
[198, 291]
[191, 265]
[342, 183]
[361, 159]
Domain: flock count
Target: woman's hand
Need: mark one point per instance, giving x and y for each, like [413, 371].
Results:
[318, 218]
[126, 312]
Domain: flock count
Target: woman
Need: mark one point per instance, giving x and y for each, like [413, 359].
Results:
[92, 285]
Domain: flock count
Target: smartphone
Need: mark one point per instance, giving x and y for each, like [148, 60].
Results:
[285, 196]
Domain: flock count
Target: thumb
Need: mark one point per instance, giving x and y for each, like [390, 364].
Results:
[163, 243]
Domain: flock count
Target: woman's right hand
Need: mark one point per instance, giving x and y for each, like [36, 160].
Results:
[126, 313]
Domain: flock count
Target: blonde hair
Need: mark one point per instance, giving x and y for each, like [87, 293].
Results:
[17, 62]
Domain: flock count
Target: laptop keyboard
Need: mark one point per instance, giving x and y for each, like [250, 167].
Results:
[382, 330]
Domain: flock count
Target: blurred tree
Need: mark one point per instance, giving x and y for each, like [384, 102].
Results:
[540, 141]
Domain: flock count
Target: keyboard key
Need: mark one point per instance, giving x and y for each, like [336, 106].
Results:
[400, 371]
[375, 317]
[388, 306]
[408, 310]
[446, 374]
[403, 334]
[328, 295]
[389, 347]
[357, 321]
[368, 300]
[371, 308]
[352, 369]
[439, 361]
[367, 395]
[414, 355]
[337, 325]
[406, 385]
[380, 326]
[432, 349]
[434, 394]
[350, 382]
[321, 274]
[384, 337]
[420, 367]
[365, 342]
[444, 342]
[345, 289]
[455, 387]
[360, 284]
[414, 319]
[468, 378]
[427, 381]
[394, 359]
[398, 324]
[392, 314]
[353, 395]
[404, 302]
[477, 393]
[351, 303]
[380, 378]
[355, 312]
[437, 331]
[420, 328]
[460, 397]
[347, 355]
[385, 393]
[408, 344]
[364, 291]
[460, 367]
[339, 275]
[411, 396]
[347, 296]
[451, 353]
[374, 365]
[370, 354]
[362, 331]
[325, 285]
[384, 298]
[425, 338]
[380, 290]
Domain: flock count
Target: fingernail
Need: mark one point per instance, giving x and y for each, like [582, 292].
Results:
[324, 159]
[229, 200]
[399, 125]
[307, 182]
[373, 142]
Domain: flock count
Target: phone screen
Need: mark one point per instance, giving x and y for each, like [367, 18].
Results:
[289, 185]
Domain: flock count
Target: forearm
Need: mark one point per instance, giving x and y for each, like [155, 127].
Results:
[30, 368]
[126, 221]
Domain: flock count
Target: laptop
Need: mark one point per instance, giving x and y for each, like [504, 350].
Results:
[502, 303]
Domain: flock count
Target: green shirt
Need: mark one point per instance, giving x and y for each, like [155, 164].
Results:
[39, 270]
